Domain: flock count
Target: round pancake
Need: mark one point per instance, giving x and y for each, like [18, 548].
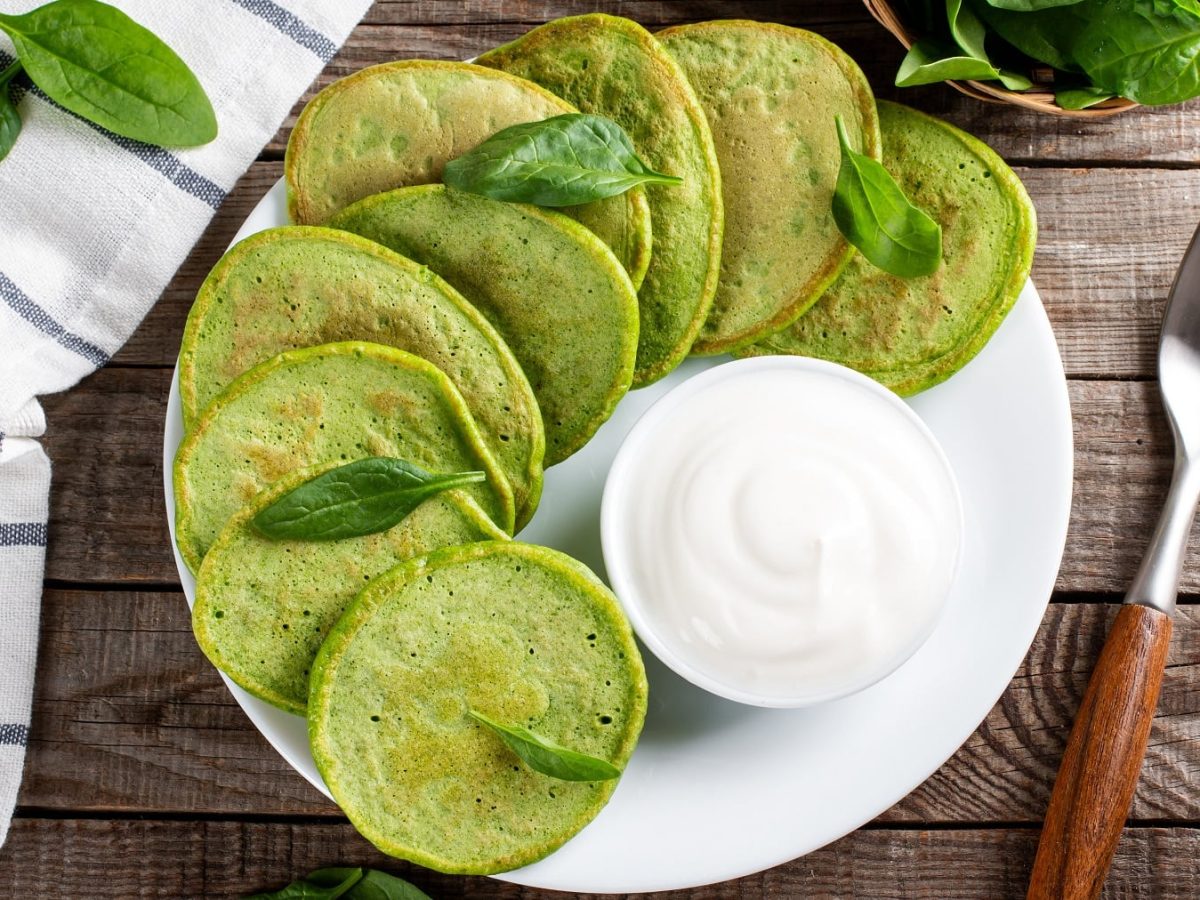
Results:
[613, 67]
[912, 333]
[330, 403]
[771, 93]
[263, 606]
[397, 124]
[523, 634]
[299, 286]
[558, 297]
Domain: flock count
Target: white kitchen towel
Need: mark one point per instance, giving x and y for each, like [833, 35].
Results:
[92, 227]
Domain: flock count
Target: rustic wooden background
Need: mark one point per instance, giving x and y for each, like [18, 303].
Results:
[144, 778]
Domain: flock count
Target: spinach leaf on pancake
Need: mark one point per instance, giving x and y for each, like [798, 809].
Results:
[264, 606]
[558, 297]
[522, 634]
[562, 161]
[613, 67]
[330, 403]
[298, 286]
[397, 124]
[912, 333]
[771, 93]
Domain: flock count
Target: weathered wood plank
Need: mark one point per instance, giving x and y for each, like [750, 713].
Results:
[107, 521]
[107, 513]
[406, 30]
[155, 859]
[1109, 243]
[129, 717]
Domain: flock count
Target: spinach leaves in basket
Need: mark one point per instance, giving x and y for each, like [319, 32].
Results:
[1147, 51]
[963, 57]
[560, 161]
[92, 59]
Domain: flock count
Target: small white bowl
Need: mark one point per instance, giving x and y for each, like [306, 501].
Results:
[614, 515]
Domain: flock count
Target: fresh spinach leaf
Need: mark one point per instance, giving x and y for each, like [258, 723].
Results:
[873, 214]
[351, 884]
[1015, 81]
[1146, 50]
[547, 757]
[10, 117]
[100, 64]
[970, 35]
[323, 884]
[362, 497]
[376, 885]
[929, 63]
[1081, 97]
[1046, 35]
[966, 29]
[336, 877]
[561, 161]
[1031, 5]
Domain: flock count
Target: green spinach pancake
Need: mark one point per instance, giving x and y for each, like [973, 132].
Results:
[397, 124]
[771, 93]
[264, 606]
[613, 67]
[330, 403]
[523, 635]
[558, 297]
[299, 286]
[912, 333]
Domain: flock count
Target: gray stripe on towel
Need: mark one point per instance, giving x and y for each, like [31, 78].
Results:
[14, 735]
[20, 303]
[22, 534]
[291, 25]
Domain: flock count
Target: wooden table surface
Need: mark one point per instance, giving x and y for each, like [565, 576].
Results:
[144, 778]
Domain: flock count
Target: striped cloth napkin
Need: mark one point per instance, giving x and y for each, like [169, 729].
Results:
[92, 227]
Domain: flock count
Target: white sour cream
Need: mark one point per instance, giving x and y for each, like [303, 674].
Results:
[782, 531]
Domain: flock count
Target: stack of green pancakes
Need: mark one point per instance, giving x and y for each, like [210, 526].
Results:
[398, 124]
[398, 317]
[614, 67]
[913, 333]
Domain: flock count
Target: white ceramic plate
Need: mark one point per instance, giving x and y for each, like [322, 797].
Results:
[717, 790]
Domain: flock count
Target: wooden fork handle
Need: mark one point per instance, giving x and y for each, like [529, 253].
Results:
[1099, 770]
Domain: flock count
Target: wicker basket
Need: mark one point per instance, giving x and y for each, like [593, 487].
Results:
[1041, 100]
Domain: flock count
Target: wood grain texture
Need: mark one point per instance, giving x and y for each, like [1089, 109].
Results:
[108, 525]
[129, 717]
[217, 860]
[1095, 783]
[107, 512]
